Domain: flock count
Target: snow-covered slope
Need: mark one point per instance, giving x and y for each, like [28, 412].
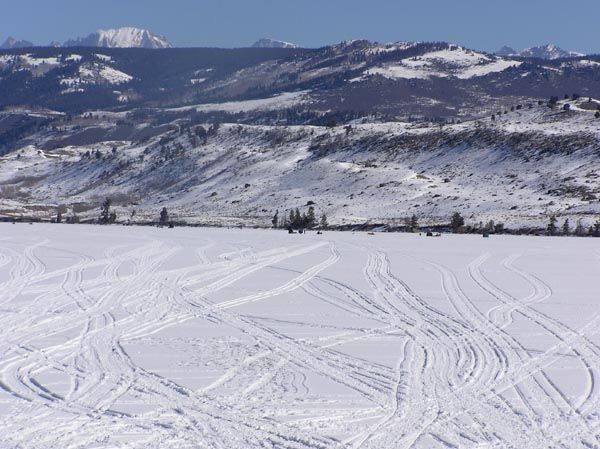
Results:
[272, 43]
[36, 65]
[518, 169]
[97, 70]
[454, 61]
[94, 74]
[126, 37]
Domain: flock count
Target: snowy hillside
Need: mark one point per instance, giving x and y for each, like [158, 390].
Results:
[455, 61]
[517, 169]
[76, 73]
[126, 37]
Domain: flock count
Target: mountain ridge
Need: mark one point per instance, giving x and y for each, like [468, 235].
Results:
[401, 81]
[12, 43]
[546, 51]
[125, 37]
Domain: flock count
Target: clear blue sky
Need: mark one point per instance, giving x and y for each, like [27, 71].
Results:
[481, 24]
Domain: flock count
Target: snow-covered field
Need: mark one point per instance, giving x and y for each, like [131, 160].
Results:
[228, 338]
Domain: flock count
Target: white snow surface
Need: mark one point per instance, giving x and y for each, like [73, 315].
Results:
[457, 61]
[97, 73]
[277, 102]
[127, 337]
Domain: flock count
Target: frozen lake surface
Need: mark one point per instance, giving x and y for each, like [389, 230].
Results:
[213, 338]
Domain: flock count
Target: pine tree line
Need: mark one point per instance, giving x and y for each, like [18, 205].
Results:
[295, 220]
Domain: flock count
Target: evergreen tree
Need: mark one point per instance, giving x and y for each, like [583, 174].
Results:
[113, 217]
[566, 227]
[310, 218]
[59, 216]
[292, 219]
[297, 222]
[579, 230]
[596, 228]
[412, 223]
[324, 224]
[275, 220]
[552, 225]
[456, 222]
[164, 217]
[105, 214]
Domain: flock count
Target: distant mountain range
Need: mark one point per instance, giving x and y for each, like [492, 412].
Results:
[548, 51]
[126, 37]
[11, 42]
[272, 43]
[131, 37]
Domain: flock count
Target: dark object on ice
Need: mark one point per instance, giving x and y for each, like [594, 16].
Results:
[319, 233]
[291, 231]
[431, 234]
[371, 233]
[486, 235]
[171, 225]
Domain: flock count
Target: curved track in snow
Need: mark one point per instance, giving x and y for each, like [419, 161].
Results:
[142, 338]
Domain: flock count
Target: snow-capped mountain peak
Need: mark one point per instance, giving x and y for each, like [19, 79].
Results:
[548, 51]
[126, 37]
[272, 43]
